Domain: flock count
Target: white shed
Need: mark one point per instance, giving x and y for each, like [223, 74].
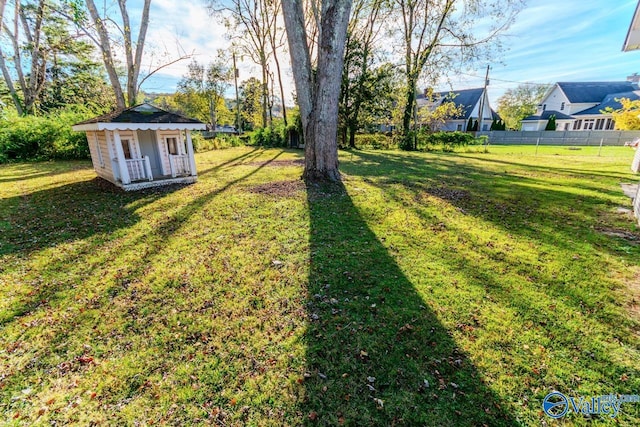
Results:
[142, 147]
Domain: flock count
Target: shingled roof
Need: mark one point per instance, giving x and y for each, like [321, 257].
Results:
[143, 113]
[592, 92]
[143, 116]
[610, 102]
[546, 115]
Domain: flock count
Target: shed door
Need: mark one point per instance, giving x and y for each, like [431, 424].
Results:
[148, 147]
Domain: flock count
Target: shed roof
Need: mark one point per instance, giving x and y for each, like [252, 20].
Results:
[588, 92]
[144, 116]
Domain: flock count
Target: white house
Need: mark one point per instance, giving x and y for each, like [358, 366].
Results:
[580, 105]
[471, 101]
[142, 147]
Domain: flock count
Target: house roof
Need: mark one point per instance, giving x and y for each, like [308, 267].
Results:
[546, 115]
[143, 116]
[610, 102]
[467, 98]
[632, 41]
[593, 92]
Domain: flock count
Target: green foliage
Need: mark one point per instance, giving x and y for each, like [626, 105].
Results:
[375, 141]
[200, 93]
[498, 125]
[277, 135]
[251, 103]
[200, 144]
[551, 124]
[43, 137]
[520, 102]
[445, 141]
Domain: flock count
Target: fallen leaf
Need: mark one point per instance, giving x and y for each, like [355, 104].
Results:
[313, 415]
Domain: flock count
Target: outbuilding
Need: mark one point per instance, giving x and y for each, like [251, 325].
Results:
[142, 146]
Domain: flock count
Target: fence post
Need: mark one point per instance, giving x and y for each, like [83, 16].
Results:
[537, 144]
[600, 149]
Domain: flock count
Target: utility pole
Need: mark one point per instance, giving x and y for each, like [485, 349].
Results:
[235, 77]
[482, 103]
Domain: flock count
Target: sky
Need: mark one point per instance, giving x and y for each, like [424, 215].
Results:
[550, 41]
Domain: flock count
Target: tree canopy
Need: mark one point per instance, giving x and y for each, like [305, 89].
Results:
[520, 102]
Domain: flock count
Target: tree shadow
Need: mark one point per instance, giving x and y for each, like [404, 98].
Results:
[376, 352]
[28, 171]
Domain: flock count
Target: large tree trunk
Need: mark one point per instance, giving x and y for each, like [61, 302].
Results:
[107, 57]
[318, 99]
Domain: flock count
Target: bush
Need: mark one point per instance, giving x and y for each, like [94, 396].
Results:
[277, 134]
[200, 144]
[376, 141]
[43, 137]
[445, 141]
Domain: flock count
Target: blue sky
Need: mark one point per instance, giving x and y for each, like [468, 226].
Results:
[550, 41]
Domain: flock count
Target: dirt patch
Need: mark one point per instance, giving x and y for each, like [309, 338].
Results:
[276, 163]
[279, 188]
[452, 195]
[621, 234]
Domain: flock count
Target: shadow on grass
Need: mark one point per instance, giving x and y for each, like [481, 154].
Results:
[66, 213]
[377, 355]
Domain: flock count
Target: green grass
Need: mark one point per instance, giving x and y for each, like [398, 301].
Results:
[427, 289]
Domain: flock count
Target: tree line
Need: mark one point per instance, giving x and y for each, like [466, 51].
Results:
[355, 62]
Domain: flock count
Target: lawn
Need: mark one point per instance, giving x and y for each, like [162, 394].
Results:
[426, 289]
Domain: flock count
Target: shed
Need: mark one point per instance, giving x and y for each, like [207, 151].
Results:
[142, 146]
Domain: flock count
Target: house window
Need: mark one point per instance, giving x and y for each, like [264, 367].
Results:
[459, 127]
[611, 124]
[588, 124]
[126, 148]
[172, 146]
[599, 124]
[562, 106]
[577, 124]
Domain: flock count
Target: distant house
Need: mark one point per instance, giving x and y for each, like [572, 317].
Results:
[142, 146]
[632, 41]
[580, 105]
[471, 101]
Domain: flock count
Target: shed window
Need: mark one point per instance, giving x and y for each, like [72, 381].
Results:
[126, 148]
[172, 146]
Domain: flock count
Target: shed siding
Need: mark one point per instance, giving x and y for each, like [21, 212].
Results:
[164, 151]
[103, 169]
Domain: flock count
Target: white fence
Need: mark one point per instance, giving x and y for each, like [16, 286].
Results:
[568, 138]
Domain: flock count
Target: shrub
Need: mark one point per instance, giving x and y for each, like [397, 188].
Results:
[445, 141]
[375, 141]
[277, 134]
[43, 137]
[200, 144]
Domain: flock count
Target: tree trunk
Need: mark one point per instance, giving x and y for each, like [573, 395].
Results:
[318, 99]
[5, 70]
[107, 57]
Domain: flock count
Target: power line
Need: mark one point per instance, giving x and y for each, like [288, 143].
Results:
[507, 81]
